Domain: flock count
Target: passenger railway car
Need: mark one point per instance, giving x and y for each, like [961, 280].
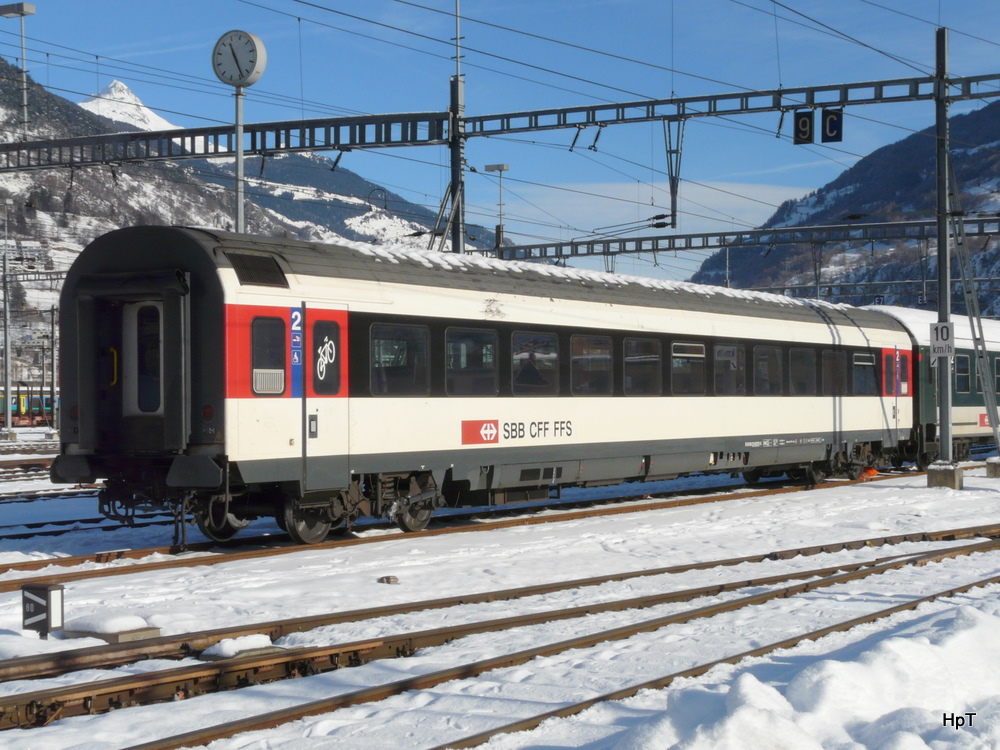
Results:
[970, 423]
[32, 405]
[237, 376]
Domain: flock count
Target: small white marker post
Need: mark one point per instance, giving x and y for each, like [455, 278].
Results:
[42, 608]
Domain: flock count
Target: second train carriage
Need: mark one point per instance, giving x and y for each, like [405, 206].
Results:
[246, 376]
[970, 423]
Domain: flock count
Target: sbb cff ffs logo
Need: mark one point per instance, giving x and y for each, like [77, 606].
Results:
[480, 431]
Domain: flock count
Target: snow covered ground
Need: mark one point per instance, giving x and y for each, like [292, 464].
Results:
[924, 679]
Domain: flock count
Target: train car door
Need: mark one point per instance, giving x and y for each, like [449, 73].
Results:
[134, 364]
[896, 387]
[323, 362]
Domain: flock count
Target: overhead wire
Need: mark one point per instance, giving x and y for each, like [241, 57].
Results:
[439, 40]
[848, 37]
[825, 28]
[563, 43]
[898, 12]
[465, 48]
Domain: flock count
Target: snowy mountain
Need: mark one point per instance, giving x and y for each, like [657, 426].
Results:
[57, 212]
[116, 102]
[317, 202]
[894, 183]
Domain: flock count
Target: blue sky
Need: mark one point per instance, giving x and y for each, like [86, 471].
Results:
[334, 57]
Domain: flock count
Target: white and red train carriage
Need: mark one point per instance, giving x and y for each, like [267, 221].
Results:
[241, 376]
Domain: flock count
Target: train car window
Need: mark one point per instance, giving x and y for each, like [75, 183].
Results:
[643, 367]
[147, 361]
[802, 372]
[730, 370]
[535, 366]
[996, 375]
[687, 368]
[400, 361]
[267, 354]
[471, 362]
[767, 371]
[326, 357]
[834, 366]
[889, 374]
[864, 379]
[962, 373]
[591, 367]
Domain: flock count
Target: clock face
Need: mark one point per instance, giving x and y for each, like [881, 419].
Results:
[239, 58]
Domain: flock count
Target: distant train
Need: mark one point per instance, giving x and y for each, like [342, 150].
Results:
[237, 377]
[32, 405]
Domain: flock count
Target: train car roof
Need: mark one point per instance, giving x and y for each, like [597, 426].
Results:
[402, 265]
[919, 322]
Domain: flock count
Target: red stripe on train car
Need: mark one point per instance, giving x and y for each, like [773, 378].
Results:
[239, 363]
[316, 353]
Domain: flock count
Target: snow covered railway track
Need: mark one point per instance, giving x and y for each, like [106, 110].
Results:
[65, 526]
[40, 707]
[33, 496]
[41, 447]
[665, 681]
[239, 671]
[176, 647]
[277, 544]
[20, 469]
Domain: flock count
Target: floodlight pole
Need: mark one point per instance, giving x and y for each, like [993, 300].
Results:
[8, 412]
[500, 169]
[20, 10]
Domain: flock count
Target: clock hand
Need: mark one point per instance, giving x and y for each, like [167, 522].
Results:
[235, 58]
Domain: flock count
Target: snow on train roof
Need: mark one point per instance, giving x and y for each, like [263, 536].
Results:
[919, 322]
[710, 295]
[453, 261]
[398, 264]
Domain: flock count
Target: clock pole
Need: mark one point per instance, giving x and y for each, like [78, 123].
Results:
[240, 220]
[239, 59]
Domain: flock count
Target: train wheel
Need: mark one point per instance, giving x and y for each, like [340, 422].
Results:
[302, 526]
[413, 518]
[814, 475]
[752, 476]
[219, 525]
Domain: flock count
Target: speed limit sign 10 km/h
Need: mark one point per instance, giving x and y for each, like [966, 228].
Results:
[942, 340]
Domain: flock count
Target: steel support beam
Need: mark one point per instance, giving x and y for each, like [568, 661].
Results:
[740, 103]
[842, 289]
[877, 231]
[432, 128]
[328, 134]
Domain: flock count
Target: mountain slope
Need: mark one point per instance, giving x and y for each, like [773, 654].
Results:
[894, 183]
[56, 212]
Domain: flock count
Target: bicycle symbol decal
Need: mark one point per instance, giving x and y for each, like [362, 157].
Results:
[326, 355]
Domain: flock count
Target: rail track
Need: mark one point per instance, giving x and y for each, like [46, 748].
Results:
[187, 644]
[35, 529]
[21, 469]
[249, 548]
[40, 707]
[33, 447]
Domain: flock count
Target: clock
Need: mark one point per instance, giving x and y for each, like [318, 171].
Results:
[239, 58]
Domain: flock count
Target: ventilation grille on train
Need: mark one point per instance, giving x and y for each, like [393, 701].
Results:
[268, 382]
[260, 270]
